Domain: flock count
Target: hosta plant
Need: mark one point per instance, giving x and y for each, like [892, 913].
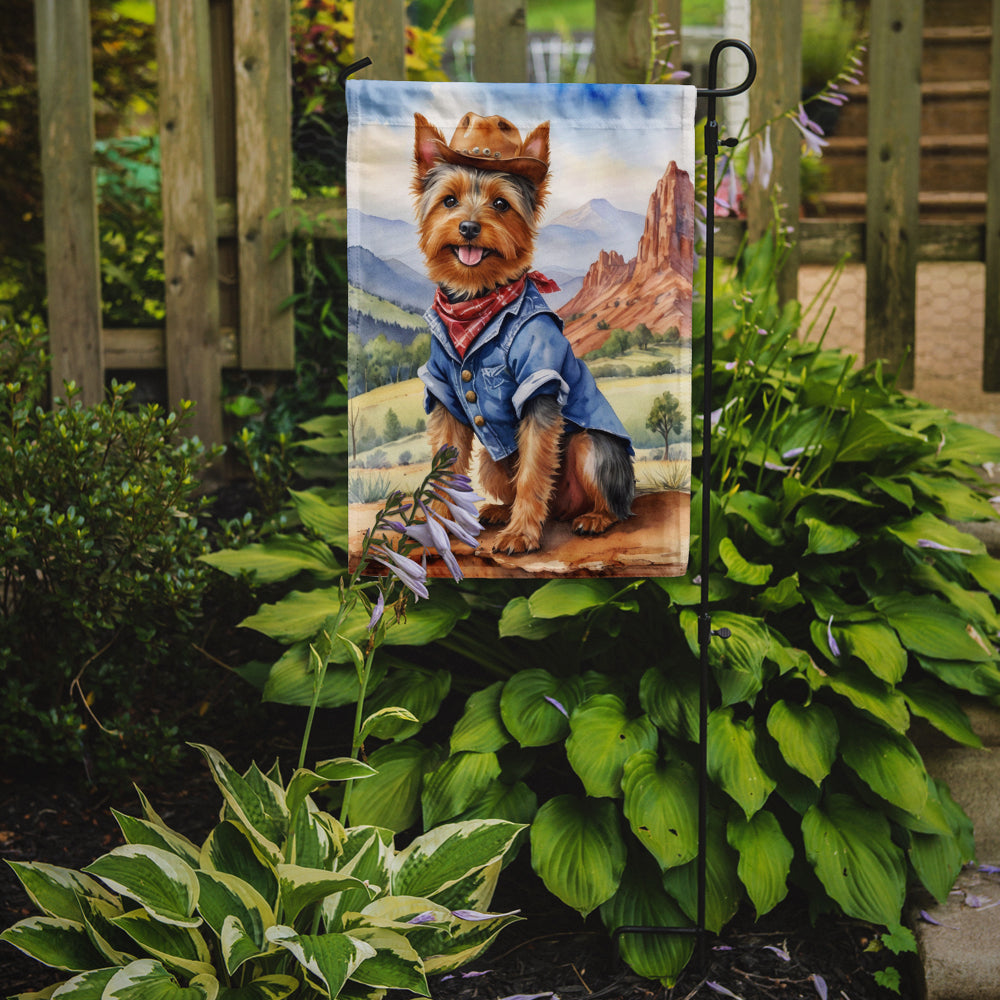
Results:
[279, 900]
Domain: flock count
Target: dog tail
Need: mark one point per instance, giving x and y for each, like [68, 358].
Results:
[614, 473]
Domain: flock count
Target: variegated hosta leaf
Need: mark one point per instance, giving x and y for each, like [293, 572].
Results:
[315, 838]
[225, 897]
[149, 980]
[441, 857]
[395, 964]
[642, 902]
[807, 736]
[56, 891]
[481, 727]
[732, 760]
[274, 987]
[367, 853]
[468, 939]
[99, 915]
[535, 706]
[850, 847]
[158, 880]
[329, 959]
[456, 784]
[723, 889]
[476, 890]
[602, 737]
[230, 849]
[304, 782]
[888, 763]
[578, 851]
[301, 887]
[765, 858]
[177, 947]
[256, 801]
[86, 986]
[418, 691]
[661, 805]
[141, 831]
[54, 941]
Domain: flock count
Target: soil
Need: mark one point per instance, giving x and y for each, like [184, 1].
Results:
[551, 952]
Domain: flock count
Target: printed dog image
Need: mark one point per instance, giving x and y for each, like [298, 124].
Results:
[501, 370]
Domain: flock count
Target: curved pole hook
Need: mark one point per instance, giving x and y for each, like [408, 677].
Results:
[713, 69]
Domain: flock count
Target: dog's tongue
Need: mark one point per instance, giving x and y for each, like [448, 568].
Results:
[470, 256]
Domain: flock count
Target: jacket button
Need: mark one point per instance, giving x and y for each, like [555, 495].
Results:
[479, 420]
[466, 375]
[471, 396]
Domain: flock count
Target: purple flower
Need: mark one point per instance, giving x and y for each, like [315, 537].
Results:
[780, 952]
[761, 163]
[431, 534]
[475, 915]
[412, 575]
[719, 988]
[927, 543]
[552, 701]
[811, 132]
[377, 611]
[427, 917]
[834, 648]
[820, 983]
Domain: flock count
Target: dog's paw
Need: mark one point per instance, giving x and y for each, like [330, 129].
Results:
[516, 543]
[592, 523]
[494, 514]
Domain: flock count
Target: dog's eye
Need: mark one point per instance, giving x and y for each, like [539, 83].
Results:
[500, 205]
[450, 201]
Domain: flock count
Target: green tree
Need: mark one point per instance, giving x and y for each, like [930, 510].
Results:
[665, 417]
[641, 336]
[393, 428]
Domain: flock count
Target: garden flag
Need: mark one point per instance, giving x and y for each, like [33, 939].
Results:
[520, 263]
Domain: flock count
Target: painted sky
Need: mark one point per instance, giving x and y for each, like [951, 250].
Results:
[609, 141]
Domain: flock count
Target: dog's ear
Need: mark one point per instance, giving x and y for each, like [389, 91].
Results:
[425, 137]
[537, 143]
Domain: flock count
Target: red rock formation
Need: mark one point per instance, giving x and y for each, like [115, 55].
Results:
[654, 287]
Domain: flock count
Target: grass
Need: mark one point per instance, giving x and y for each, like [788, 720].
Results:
[560, 16]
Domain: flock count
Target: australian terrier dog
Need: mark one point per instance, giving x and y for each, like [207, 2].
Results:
[500, 368]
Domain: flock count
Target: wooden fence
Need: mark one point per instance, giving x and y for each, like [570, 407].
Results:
[226, 161]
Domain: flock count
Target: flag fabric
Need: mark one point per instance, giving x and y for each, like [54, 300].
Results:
[520, 258]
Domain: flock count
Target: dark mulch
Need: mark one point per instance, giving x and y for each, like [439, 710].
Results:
[551, 951]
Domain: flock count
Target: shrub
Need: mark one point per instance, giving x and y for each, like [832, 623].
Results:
[99, 539]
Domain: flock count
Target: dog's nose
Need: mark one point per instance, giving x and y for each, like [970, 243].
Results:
[469, 229]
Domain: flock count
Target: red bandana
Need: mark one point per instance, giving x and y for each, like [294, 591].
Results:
[466, 320]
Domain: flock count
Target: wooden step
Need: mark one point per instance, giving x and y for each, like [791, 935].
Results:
[945, 12]
[956, 53]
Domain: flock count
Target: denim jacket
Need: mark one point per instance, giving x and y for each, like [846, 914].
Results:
[522, 353]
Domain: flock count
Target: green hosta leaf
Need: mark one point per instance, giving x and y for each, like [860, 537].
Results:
[684, 593]
[894, 489]
[975, 605]
[928, 528]
[876, 646]
[141, 831]
[260, 809]
[931, 628]
[758, 511]
[147, 979]
[330, 959]
[327, 520]
[518, 621]
[578, 851]
[279, 558]
[723, 889]
[386, 723]
[738, 661]
[54, 941]
[888, 763]
[456, 784]
[986, 571]
[661, 799]
[301, 887]
[304, 782]
[56, 891]
[937, 859]
[395, 964]
[941, 709]
[230, 849]
[291, 680]
[391, 798]
[870, 435]
[602, 738]
[177, 947]
[417, 690]
[732, 760]
[965, 443]
[866, 692]
[850, 848]
[443, 856]
[516, 803]
[275, 987]
[671, 699]
[225, 897]
[159, 881]
[527, 711]
[741, 571]
[828, 539]
[783, 595]
[560, 598]
[641, 901]
[807, 736]
[957, 501]
[976, 678]
[765, 858]
[481, 728]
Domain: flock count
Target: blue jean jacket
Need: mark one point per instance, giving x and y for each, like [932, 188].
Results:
[522, 353]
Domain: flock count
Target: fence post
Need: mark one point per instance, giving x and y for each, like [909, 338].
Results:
[72, 255]
[380, 34]
[190, 250]
[776, 34]
[893, 183]
[501, 41]
[621, 40]
[991, 332]
[262, 62]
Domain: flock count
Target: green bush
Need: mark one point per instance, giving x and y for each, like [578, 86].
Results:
[101, 584]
